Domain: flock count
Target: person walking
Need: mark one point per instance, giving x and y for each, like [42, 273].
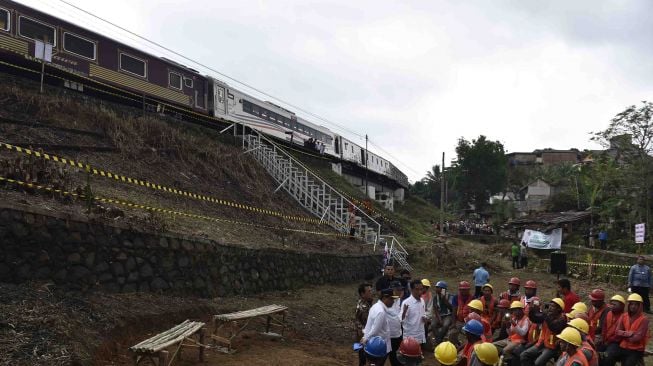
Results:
[362, 311]
[639, 281]
[377, 324]
[603, 239]
[515, 255]
[413, 313]
[481, 277]
[523, 256]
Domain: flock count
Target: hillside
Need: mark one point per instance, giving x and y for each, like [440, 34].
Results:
[151, 148]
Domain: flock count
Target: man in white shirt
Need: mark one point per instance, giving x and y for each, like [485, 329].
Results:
[413, 315]
[377, 320]
[394, 322]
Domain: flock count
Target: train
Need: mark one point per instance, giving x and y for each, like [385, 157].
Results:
[81, 52]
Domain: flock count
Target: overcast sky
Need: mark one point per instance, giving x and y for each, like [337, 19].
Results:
[415, 75]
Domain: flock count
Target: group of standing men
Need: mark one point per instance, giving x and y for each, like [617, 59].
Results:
[481, 329]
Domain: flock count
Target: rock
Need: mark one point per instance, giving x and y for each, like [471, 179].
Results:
[121, 280]
[254, 274]
[43, 273]
[19, 230]
[75, 237]
[43, 257]
[199, 283]
[74, 258]
[174, 243]
[163, 242]
[158, 284]
[138, 242]
[101, 267]
[79, 272]
[121, 256]
[105, 277]
[130, 287]
[133, 277]
[24, 271]
[127, 244]
[139, 260]
[144, 287]
[187, 245]
[117, 269]
[130, 264]
[90, 259]
[61, 275]
[146, 271]
[29, 219]
[168, 263]
[183, 261]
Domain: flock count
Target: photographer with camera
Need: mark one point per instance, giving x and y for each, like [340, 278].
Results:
[553, 322]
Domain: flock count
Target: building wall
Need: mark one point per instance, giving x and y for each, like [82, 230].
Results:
[82, 255]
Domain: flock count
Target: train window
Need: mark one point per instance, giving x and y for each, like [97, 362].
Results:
[264, 113]
[231, 96]
[33, 29]
[79, 46]
[188, 82]
[133, 65]
[4, 20]
[174, 80]
[255, 109]
[247, 106]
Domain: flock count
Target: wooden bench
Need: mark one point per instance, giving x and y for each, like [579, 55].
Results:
[179, 336]
[271, 315]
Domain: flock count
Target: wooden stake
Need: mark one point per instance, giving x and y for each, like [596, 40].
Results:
[202, 335]
[163, 358]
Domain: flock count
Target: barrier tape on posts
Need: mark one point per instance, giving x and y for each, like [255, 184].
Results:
[155, 186]
[164, 210]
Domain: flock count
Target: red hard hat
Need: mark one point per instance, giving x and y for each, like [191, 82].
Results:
[530, 284]
[464, 285]
[514, 281]
[597, 294]
[409, 347]
[504, 303]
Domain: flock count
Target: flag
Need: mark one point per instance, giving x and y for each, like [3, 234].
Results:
[386, 257]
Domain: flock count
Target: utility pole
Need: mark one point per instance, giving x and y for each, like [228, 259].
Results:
[442, 194]
[366, 160]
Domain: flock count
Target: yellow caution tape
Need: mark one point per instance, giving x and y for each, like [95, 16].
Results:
[168, 211]
[155, 186]
[596, 264]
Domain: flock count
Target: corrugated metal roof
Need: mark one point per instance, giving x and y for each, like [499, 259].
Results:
[550, 218]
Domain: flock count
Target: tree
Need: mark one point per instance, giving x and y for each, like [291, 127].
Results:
[429, 187]
[481, 170]
[631, 134]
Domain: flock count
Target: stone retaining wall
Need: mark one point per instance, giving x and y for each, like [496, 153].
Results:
[83, 255]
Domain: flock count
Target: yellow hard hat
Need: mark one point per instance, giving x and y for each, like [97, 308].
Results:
[476, 304]
[487, 353]
[580, 306]
[619, 298]
[580, 324]
[635, 297]
[517, 305]
[426, 283]
[445, 353]
[560, 302]
[571, 336]
[571, 314]
[488, 285]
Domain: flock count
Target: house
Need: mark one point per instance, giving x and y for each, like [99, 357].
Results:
[533, 197]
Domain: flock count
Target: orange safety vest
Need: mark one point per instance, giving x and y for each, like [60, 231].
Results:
[595, 320]
[488, 309]
[547, 337]
[578, 357]
[533, 333]
[462, 310]
[610, 326]
[487, 329]
[628, 326]
[586, 346]
[514, 336]
[467, 351]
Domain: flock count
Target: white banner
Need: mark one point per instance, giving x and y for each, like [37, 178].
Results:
[43, 51]
[539, 240]
[640, 233]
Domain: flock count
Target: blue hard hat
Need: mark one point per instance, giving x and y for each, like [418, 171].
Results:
[376, 347]
[441, 284]
[474, 327]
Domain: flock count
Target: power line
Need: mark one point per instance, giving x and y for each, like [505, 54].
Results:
[251, 87]
[393, 157]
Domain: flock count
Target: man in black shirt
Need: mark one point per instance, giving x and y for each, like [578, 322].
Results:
[386, 280]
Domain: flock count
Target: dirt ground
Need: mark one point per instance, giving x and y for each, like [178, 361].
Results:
[43, 325]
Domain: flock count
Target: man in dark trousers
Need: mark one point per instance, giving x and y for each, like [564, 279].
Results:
[362, 310]
[639, 281]
[386, 280]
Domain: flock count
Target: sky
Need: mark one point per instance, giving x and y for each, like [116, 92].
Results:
[414, 75]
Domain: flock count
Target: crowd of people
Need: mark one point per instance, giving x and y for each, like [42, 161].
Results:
[515, 327]
[465, 227]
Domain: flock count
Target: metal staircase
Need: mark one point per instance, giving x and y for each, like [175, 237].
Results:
[317, 196]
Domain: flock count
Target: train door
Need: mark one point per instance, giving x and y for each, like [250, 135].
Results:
[336, 145]
[220, 100]
[363, 157]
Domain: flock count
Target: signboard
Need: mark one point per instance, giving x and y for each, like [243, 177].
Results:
[640, 233]
[43, 51]
[539, 240]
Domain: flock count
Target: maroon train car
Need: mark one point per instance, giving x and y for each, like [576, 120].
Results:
[97, 57]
